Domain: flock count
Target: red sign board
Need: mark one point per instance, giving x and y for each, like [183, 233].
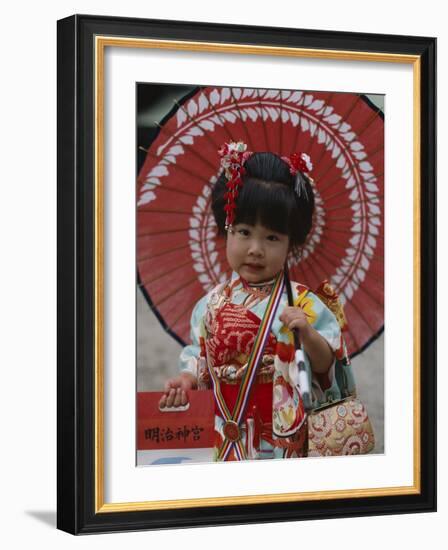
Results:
[174, 428]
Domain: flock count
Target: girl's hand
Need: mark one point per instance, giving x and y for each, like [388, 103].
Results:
[318, 349]
[176, 390]
[294, 317]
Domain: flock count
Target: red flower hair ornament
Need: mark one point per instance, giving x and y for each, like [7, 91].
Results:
[299, 162]
[233, 156]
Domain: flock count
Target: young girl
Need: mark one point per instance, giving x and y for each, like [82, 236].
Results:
[243, 345]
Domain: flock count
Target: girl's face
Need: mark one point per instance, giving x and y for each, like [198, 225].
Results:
[255, 252]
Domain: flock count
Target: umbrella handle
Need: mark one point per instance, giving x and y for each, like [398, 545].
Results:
[304, 383]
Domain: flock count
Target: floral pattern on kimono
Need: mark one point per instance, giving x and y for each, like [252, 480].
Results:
[225, 323]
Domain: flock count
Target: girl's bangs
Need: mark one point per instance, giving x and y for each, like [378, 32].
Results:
[270, 205]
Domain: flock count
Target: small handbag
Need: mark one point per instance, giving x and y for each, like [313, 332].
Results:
[340, 427]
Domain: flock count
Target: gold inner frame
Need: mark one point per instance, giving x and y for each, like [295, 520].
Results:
[101, 42]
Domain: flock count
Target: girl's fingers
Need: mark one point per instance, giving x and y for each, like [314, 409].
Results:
[296, 323]
[174, 397]
[162, 402]
[169, 384]
[184, 398]
[177, 398]
[170, 397]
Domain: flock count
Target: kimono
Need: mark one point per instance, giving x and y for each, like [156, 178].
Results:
[224, 324]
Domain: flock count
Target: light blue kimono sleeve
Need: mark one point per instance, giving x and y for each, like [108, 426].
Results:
[188, 360]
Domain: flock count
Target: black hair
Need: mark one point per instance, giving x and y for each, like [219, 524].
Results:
[270, 195]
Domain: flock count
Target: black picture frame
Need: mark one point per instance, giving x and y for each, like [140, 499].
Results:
[80, 507]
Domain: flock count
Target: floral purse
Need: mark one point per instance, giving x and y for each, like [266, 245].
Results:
[340, 427]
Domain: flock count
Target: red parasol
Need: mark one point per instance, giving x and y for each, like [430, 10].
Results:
[179, 255]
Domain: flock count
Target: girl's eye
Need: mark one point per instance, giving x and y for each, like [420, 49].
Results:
[244, 232]
[273, 238]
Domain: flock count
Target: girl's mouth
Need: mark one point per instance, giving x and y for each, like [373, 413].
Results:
[255, 267]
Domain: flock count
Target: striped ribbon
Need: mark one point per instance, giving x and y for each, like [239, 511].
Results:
[249, 375]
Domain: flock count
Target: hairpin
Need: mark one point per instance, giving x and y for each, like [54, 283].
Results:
[299, 162]
[233, 156]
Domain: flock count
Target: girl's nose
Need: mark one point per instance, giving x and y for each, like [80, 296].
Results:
[256, 248]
